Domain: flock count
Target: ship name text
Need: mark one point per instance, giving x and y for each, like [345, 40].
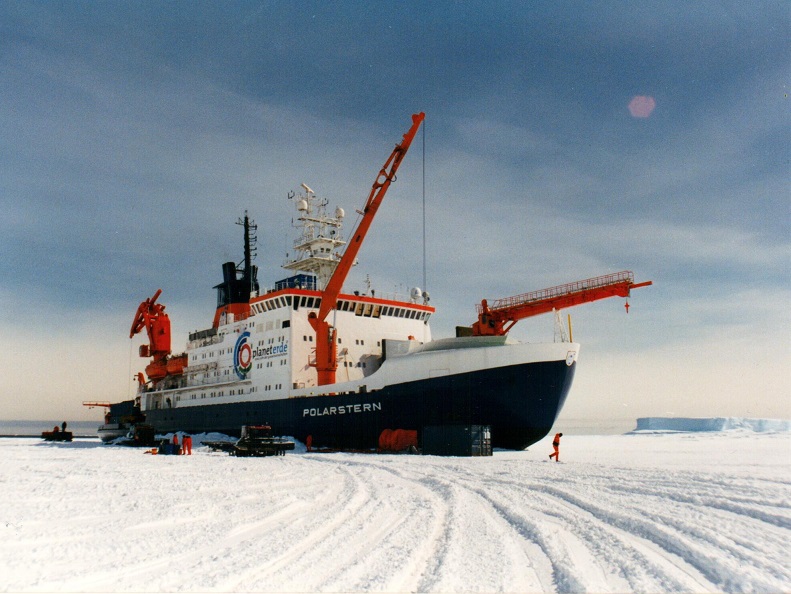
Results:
[342, 410]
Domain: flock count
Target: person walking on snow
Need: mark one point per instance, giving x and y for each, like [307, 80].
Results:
[556, 445]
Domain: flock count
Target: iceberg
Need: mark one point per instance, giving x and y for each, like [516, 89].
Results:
[693, 424]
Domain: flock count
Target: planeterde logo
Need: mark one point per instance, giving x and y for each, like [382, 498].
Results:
[242, 356]
[244, 353]
[271, 351]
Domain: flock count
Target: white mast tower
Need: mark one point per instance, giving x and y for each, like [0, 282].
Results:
[320, 238]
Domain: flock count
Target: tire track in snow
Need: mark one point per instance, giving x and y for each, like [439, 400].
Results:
[214, 522]
[618, 558]
[423, 536]
[314, 531]
[570, 540]
[711, 525]
[397, 561]
[695, 544]
[366, 532]
[570, 566]
[177, 567]
[712, 493]
[456, 534]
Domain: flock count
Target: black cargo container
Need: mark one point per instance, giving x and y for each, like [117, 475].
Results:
[457, 440]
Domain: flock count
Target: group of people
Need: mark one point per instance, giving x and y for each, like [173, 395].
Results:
[186, 445]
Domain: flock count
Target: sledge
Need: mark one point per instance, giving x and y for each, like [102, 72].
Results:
[57, 435]
[256, 440]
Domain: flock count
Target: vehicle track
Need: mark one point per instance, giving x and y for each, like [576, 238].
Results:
[690, 533]
[621, 558]
[449, 544]
[341, 522]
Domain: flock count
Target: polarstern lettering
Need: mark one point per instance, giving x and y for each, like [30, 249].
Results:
[342, 410]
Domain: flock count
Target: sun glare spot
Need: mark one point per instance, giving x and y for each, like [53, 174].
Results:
[641, 106]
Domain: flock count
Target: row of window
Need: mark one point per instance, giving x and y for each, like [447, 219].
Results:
[272, 304]
[375, 310]
[216, 373]
[220, 393]
[271, 364]
[360, 364]
[357, 341]
[359, 308]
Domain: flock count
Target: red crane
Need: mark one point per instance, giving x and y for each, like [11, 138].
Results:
[326, 346]
[151, 316]
[499, 317]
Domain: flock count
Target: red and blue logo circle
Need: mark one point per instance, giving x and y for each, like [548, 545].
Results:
[243, 356]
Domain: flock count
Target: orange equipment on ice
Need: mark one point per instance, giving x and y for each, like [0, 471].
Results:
[397, 440]
[499, 317]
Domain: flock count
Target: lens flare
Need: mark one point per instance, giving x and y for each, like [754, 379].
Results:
[641, 106]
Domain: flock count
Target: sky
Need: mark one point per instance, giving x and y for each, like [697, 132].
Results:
[562, 141]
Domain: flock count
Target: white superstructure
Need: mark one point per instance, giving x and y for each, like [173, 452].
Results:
[266, 354]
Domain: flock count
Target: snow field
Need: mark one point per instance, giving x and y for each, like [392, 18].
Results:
[644, 512]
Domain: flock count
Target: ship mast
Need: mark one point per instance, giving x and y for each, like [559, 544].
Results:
[319, 237]
[240, 281]
[248, 273]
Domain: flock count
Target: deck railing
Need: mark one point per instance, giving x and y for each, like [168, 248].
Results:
[561, 290]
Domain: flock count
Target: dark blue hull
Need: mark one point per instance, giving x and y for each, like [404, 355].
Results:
[519, 402]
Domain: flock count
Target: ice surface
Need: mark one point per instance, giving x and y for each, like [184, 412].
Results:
[650, 512]
[711, 424]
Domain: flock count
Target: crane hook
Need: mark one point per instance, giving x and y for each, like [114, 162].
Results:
[626, 305]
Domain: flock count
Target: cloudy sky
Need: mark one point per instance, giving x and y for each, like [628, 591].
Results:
[133, 135]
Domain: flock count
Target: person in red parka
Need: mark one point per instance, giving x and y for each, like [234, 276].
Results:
[556, 445]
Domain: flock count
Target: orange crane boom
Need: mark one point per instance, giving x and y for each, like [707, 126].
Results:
[151, 316]
[326, 347]
[499, 317]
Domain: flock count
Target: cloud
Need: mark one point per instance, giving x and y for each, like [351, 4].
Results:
[134, 137]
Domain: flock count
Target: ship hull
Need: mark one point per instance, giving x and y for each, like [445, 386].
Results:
[519, 402]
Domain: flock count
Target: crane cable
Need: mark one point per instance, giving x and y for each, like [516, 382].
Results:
[425, 288]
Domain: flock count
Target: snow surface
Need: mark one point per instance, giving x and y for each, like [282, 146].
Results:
[655, 512]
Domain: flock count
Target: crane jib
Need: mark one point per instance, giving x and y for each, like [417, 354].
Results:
[499, 317]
